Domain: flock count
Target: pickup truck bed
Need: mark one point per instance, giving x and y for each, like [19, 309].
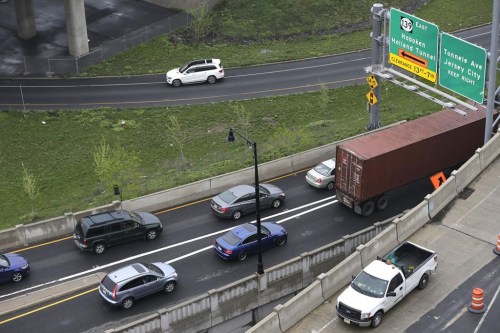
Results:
[408, 257]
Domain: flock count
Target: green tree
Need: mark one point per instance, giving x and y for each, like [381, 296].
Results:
[202, 25]
[101, 161]
[243, 117]
[176, 134]
[30, 185]
[115, 166]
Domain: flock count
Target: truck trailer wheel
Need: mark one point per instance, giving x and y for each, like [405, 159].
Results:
[382, 202]
[377, 319]
[368, 208]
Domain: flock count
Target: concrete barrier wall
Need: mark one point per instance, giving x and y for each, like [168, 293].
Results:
[341, 275]
[379, 245]
[441, 197]
[467, 172]
[490, 150]
[411, 221]
[270, 324]
[301, 305]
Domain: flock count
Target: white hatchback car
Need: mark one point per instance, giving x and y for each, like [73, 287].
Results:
[322, 175]
[204, 70]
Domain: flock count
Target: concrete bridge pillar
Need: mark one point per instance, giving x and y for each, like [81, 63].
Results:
[25, 16]
[76, 27]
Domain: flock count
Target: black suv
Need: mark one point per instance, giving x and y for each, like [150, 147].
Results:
[98, 231]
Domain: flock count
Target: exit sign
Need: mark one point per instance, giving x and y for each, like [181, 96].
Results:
[462, 67]
[413, 44]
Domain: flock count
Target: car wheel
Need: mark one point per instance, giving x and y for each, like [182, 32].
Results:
[99, 248]
[368, 208]
[377, 319]
[211, 79]
[169, 287]
[276, 203]
[127, 303]
[236, 215]
[176, 83]
[17, 276]
[330, 186]
[281, 240]
[151, 234]
[424, 280]
[382, 202]
[242, 256]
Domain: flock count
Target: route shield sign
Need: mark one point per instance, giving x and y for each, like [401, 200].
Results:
[413, 44]
[462, 67]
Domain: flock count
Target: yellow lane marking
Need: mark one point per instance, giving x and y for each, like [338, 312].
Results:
[48, 306]
[43, 244]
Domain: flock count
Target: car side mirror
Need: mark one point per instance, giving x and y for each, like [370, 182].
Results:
[353, 277]
[391, 294]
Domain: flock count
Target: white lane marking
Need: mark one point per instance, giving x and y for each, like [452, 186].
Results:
[69, 277]
[164, 82]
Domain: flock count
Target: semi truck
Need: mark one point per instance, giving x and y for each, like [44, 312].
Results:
[369, 166]
[384, 282]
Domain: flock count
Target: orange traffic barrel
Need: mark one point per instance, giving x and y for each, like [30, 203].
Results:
[477, 305]
[497, 249]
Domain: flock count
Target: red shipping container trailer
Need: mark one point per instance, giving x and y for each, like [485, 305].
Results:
[373, 164]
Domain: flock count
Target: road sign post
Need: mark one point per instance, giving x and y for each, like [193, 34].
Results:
[462, 67]
[413, 44]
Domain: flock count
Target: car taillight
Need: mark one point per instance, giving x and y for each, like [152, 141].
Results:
[228, 251]
[114, 291]
[318, 180]
[221, 70]
[223, 209]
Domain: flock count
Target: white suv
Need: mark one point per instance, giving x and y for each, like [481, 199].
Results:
[204, 70]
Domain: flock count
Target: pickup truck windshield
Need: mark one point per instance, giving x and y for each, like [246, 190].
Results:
[369, 285]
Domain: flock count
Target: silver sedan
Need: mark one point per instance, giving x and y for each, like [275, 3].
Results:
[240, 200]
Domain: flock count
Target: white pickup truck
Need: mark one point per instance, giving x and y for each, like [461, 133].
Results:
[384, 282]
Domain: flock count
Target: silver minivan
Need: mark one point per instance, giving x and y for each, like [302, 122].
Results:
[127, 284]
[322, 175]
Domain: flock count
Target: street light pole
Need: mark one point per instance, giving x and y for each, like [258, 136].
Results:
[253, 145]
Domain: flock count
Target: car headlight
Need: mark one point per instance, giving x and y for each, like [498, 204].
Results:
[365, 315]
[25, 266]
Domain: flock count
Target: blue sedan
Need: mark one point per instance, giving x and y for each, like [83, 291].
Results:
[242, 240]
[13, 267]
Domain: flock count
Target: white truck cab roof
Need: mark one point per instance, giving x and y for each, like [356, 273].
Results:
[382, 270]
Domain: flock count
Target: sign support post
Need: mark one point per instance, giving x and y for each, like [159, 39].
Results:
[378, 12]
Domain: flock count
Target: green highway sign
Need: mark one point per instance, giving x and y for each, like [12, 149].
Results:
[413, 44]
[462, 67]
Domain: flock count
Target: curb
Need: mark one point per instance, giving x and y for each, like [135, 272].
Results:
[50, 293]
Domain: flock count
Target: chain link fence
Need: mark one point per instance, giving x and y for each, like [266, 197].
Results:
[64, 65]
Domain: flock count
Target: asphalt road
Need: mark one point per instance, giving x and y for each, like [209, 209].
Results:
[199, 268]
[239, 83]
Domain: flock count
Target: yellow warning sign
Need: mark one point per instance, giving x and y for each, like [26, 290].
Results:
[372, 81]
[437, 179]
[372, 99]
[412, 67]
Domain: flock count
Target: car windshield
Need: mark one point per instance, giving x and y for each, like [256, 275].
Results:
[262, 189]
[153, 268]
[369, 285]
[184, 67]
[227, 196]
[137, 217]
[231, 238]
[322, 169]
[4, 262]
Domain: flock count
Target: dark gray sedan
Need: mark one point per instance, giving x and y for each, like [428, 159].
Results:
[240, 200]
